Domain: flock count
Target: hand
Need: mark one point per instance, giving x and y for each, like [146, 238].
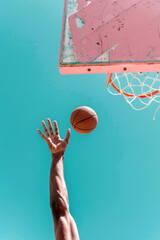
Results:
[55, 143]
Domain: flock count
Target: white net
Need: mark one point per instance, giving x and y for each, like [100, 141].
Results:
[138, 89]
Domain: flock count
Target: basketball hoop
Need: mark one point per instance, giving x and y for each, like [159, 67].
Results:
[139, 89]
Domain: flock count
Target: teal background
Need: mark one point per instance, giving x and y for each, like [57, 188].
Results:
[112, 174]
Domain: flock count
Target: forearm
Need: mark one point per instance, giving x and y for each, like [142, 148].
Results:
[58, 189]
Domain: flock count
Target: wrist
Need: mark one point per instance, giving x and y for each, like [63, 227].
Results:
[57, 156]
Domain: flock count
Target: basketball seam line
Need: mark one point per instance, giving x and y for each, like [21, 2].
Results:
[84, 120]
[84, 128]
[75, 117]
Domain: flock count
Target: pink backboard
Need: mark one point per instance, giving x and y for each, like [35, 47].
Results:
[100, 36]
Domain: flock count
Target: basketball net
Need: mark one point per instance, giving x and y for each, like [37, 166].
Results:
[139, 89]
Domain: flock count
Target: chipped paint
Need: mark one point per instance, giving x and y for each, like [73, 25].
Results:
[68, 53]
[82, 3]
[79, 22]
[105, 56]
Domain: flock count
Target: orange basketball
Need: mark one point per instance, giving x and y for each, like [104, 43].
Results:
[84, 120]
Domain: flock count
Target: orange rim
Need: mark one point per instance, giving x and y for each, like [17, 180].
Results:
[127, 94]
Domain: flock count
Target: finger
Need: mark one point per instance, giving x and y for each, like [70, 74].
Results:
[50, 126]
[56, 128]
[68, 136]
[45, 129]
[42, 135]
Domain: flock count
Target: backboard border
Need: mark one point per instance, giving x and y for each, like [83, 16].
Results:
[84, 68]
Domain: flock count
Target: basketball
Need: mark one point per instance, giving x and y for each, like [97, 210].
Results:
[84, 120]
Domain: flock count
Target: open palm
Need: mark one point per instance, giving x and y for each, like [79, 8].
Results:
[55, 143]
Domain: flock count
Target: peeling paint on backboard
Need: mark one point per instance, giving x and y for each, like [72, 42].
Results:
[111, 31]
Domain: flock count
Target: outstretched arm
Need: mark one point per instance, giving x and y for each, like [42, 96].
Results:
[64, 225]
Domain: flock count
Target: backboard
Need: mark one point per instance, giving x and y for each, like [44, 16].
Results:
[106, 36]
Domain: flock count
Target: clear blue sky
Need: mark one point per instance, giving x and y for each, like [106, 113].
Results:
[112, 174]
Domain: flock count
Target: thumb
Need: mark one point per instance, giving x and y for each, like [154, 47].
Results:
[68, 136]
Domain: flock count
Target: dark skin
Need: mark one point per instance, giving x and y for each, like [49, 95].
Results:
[64, 225]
